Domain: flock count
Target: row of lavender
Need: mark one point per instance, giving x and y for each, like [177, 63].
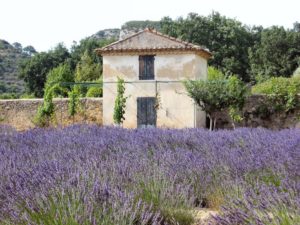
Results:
[92, 175]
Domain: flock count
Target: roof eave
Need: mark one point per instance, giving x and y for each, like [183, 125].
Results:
[202, 52]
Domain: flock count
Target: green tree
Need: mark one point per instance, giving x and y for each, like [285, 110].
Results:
[61, 73]
[296, 27]
[17, 46]
[276, 54]
[3, 87]
[217, 94]
[120, 102]
[137, 25]
[29, 50]
[226, 38]
[88, 46]
[87, 69]
[35, 69]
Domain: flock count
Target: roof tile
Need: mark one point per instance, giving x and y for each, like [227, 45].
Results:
[149, 39]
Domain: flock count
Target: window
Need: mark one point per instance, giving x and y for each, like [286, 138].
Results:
[146, 64]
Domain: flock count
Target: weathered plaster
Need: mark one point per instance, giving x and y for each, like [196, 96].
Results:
[200, 68]
[126, 67]
[176, 109]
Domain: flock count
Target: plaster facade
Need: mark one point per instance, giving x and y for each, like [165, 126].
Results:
[175, 108]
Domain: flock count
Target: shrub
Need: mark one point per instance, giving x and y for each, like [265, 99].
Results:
[8, 96]
[45, 113]
[94, 92]
[62, 73]
[27, 96]
[73, 105]
[281, 92]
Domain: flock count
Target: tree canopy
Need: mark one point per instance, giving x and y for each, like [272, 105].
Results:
[82, 62]
[276, 54]
[35, 69]
[217, 93]
[226, 38]
[87, 69]
[239, 49]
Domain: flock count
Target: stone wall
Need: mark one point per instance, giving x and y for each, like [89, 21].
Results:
[20, 113]
[257, 114]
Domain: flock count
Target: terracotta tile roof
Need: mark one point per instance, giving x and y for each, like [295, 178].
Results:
[150, 40]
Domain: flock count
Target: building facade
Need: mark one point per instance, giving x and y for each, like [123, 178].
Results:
[153, 67]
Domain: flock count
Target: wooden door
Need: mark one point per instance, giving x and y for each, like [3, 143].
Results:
[146, 112]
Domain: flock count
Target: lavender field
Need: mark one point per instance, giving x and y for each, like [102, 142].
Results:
[113, 176]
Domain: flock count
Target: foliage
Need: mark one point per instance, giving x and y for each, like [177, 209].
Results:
[276, 54]
[214, 74]
[235, 115]
[3, 87]
[61, 73]
[94, 92]
[137, 25]
[87, 69]
[239, 49]
[53, 88]
[297, 72]
[281, 92]
[8, 96]
[87, 46]
[10, 56]
[29, 50]
[217, 94]
[226, 38]
[74, 102]
[82, 57]
[45, 112]
[120, 102]
[104, 175]
[27, 96]
[35, 69]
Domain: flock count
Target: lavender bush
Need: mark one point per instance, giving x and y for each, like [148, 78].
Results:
[92, 175]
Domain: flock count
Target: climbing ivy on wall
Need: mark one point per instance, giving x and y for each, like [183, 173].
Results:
[120, 102]
[74, 103]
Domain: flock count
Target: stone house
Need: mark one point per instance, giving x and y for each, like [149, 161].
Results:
[153, 66]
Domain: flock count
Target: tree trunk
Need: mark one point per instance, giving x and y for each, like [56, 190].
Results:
[210, 122]
[233, 125]
[215, 122]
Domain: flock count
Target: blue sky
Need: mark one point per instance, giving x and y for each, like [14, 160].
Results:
[44, 23]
